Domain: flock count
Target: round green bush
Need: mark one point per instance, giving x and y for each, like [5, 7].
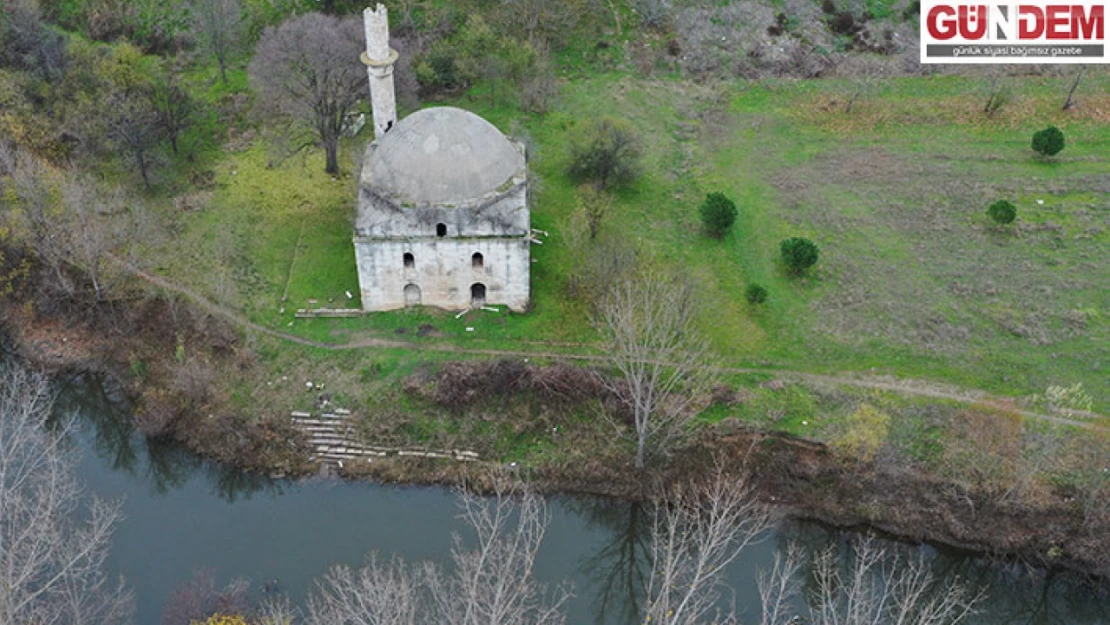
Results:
[756, 294]
[1002, 212]
[799, 254]
[718, 213]
[1048, 142]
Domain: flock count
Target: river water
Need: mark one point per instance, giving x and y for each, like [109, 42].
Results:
[184, 515]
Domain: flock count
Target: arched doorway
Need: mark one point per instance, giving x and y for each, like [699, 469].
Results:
[412, 295]
[477, 294]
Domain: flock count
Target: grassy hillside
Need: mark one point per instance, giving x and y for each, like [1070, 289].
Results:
[913, 281]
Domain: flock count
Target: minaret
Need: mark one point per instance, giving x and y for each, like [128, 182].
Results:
[379, 59]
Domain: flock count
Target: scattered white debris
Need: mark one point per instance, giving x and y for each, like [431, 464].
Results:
[308, 384]
[349, 296]
[469, 329]
[1041, 202]
[282, 311]
[290, 324]
[491, 309]
[340, 463]
[462, 313]
[805, 422]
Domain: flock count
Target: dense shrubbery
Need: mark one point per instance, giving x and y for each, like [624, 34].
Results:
[755, 294]
[1002, 212]
[718, 213]
[799, 254]
[1048, 142]
[605, 151]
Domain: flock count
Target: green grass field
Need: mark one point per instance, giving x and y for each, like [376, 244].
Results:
[913, 280]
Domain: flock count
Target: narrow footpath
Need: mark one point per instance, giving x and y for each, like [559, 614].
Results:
[915, 388]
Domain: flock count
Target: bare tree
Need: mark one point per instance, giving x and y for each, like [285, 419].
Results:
[999, 93]
[200, 598]
[545, 20]
[864, 75]
[1042, 448]
[68, 222]
[30, 189]
[132, 126]
[879, 587]
[276, 609]
[51, 563]
[308, 70]
[1092, 475]
[1070, 101]
[778, 586]
[491, 583]
[92, 228]
[647, 324]
[594, 204]
[539, 86]
[174, 108]
[699, 529]
[603, 262]
[217, 25]
[605, 151]
[376, 594]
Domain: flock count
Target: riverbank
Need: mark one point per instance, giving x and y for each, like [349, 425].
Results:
[801, 478]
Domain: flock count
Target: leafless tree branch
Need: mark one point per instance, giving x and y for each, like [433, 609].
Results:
[51, 566]
[647, 324]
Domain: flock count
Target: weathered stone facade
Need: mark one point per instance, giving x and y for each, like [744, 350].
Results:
[443, 215]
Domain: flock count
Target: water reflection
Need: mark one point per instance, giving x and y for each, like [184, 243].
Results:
[618, 571]
[293, 531]
[98, 407]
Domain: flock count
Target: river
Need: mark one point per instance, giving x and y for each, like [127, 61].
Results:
[183, 514]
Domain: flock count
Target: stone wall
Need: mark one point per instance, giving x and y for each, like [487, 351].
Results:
[443, 270]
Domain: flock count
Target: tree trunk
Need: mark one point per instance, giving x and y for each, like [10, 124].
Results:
[223, 67]
[140, 157]
[1071, 92]
[331, 147]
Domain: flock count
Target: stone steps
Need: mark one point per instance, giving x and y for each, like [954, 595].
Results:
[334, 441]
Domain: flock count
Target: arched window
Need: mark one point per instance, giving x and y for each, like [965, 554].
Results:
[441, 230]
[477, 261]
[477, 294]
[410, 260]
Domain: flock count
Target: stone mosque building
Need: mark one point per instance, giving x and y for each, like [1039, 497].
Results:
[443, 202]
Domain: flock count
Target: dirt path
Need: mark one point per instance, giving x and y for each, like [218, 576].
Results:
[916, 388]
